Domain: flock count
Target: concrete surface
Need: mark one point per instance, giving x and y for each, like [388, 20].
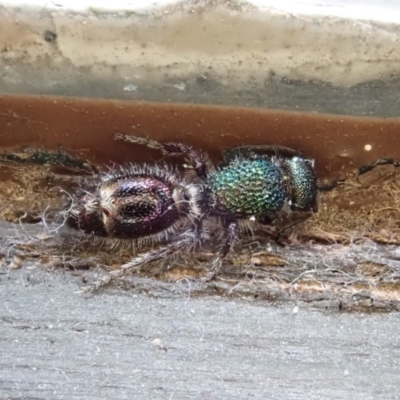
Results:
[60, 344]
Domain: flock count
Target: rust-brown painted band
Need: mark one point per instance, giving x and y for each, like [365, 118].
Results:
[85, 127]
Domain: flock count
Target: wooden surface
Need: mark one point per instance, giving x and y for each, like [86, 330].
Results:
[60, 344]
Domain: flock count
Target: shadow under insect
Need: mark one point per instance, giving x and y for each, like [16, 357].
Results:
[254, 186]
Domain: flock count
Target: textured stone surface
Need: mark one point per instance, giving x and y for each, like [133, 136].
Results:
[57, 343]
[334, 58]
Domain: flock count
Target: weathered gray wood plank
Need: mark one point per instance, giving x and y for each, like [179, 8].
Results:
[56, 343]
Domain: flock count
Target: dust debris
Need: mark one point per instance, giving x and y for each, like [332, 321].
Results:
[346, 257]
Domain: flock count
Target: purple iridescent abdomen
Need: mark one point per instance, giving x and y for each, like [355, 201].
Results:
[137, 207]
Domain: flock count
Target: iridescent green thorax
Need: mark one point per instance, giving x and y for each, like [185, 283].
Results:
[248, 187]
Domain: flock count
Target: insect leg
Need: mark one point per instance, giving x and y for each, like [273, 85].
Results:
[152, 144]
[135, 264]
[291, 226]
[197, 159]
[385, 161]
[226, 248]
